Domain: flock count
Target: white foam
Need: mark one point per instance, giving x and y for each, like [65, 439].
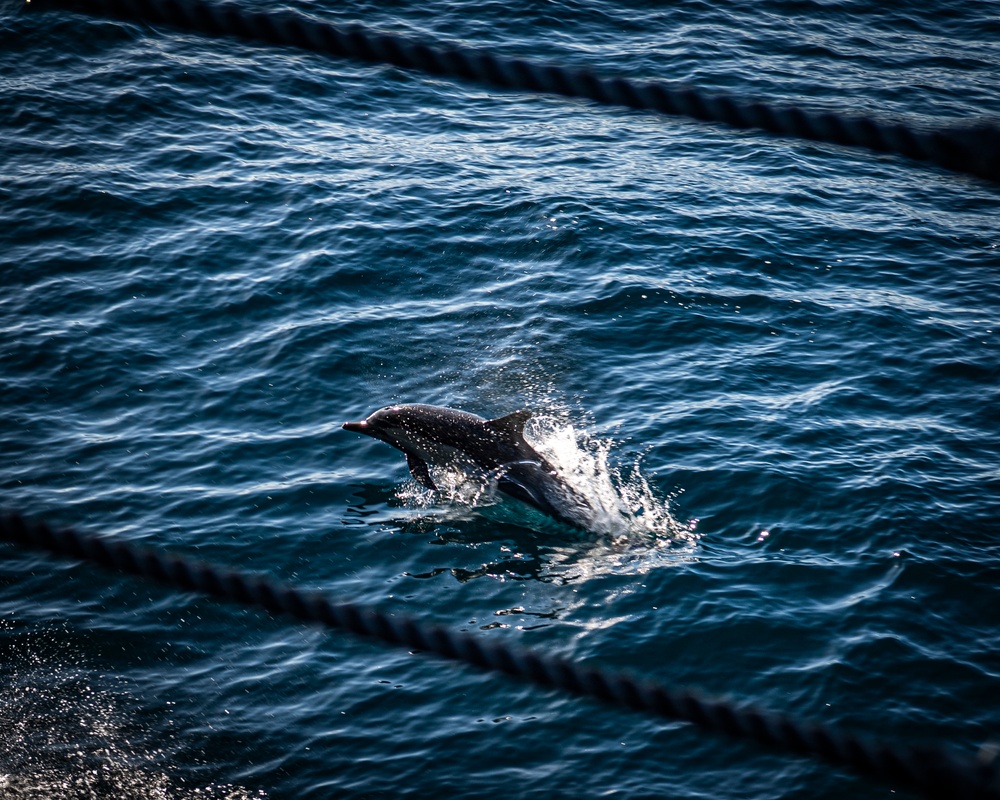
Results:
[622, 503]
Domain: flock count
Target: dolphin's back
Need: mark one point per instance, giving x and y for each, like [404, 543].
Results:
[488, 442]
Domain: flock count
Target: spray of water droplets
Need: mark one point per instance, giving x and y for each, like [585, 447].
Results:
[621, 506]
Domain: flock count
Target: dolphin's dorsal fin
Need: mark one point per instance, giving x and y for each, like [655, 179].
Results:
[512, 425]
[418, 469]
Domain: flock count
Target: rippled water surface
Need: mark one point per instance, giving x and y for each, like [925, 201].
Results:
[781, 357]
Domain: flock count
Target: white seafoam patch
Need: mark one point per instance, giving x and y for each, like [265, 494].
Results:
[67, 731]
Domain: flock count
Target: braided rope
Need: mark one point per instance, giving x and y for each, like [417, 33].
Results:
[973, 149]
[932, 771]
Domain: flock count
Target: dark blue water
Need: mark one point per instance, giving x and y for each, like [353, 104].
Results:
[780, 358]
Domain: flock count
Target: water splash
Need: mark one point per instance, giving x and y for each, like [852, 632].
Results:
[622, 507]
[66, 732]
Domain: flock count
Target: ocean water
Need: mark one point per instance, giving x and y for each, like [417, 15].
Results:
[781, 358]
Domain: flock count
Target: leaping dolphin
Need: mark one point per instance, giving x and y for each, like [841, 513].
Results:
[434, 435]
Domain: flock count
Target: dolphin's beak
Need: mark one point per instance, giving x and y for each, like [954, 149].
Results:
[356, 427]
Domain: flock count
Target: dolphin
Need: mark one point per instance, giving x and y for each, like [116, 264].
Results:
[434, 435]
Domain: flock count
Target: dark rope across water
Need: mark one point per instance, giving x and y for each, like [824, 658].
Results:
[935, 772]
[973, 149]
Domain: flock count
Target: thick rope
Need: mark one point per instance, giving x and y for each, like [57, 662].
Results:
[934, 772]
[972, 149]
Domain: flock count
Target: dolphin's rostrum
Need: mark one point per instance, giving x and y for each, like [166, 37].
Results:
[434, 435]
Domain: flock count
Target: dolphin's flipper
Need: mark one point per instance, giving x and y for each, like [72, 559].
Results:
[512, 425]
[520, 490]
[539, 486]
[521, 480]
[418, 469]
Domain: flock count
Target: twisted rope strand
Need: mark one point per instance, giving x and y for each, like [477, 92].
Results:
[973, 149]
[933, 772]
